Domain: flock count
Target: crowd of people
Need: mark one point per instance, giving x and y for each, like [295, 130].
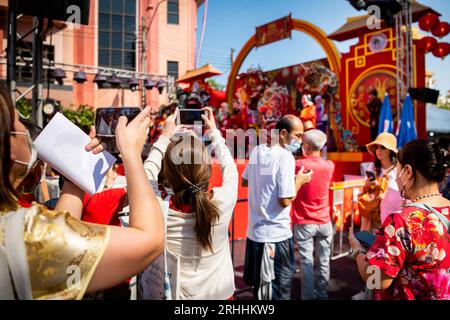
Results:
[42, 245]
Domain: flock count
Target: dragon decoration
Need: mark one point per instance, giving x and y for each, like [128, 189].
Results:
[261, 101]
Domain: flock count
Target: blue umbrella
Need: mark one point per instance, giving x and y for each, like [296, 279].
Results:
[407, 131]
[385, 123]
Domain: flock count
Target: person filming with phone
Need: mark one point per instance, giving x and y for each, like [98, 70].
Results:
[313, 230]
[411, 255]
[197, 218]
[380, 195]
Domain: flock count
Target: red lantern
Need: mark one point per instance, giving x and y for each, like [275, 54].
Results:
[428, 21]
[441, 29]
[428, 44]
[442, 50]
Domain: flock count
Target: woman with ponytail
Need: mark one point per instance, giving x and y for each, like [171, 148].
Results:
[411, 255]
[198, 219]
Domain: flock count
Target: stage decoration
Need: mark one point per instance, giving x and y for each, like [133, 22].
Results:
[308, 113]
[428, 44]
[274, 31]
[441, 30]
[428, 21]
[273, 105]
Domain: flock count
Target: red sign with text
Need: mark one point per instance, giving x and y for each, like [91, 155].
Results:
[274, 31]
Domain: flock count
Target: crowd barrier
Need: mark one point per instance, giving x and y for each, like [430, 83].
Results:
[344, 214]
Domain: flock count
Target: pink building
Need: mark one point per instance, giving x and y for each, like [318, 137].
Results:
[113, 39]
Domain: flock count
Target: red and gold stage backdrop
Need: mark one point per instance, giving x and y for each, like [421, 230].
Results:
[371, 64]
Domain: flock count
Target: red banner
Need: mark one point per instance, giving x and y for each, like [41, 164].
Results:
[274, 31]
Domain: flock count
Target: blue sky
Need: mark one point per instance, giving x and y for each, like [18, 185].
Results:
[230, 23]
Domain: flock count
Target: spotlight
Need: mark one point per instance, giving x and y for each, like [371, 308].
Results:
[160, 85]
[358, 4]
[59, 75]
[114, 81]
[50, 107]
[80, 77]
[149, 84]
[389, 8]
[133, 84]
[100, 79]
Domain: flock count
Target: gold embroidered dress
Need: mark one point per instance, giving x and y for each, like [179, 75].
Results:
[62, 252]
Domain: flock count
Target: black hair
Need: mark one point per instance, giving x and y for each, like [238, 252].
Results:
[431, 160]
[285, 123]
[374, 92]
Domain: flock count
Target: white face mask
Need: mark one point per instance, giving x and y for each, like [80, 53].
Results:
[33, 152]
[401, 186]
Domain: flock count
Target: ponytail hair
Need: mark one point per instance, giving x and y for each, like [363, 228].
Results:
[189, 180]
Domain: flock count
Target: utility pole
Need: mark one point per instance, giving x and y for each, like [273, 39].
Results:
[143, 60]
[37, 115]
[12, 48]
[232, 56]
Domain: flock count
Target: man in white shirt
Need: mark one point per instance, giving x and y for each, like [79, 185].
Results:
[272, 186]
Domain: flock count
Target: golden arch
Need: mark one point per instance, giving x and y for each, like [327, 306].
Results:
[333, 55]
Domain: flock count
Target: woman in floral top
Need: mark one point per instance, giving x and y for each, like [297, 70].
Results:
[411, 255]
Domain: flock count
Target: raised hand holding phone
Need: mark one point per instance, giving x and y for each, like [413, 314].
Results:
[131, 137]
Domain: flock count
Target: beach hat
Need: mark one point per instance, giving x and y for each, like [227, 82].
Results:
[384, 139]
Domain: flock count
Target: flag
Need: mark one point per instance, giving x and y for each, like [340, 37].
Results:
[385, 123]
[407, 131]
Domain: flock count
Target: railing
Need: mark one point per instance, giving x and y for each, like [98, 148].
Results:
[344, 213]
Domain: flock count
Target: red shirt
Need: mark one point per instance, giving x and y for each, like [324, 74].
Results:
[102, 208]
[311, 206]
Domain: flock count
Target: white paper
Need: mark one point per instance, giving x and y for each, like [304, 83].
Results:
[62, 145]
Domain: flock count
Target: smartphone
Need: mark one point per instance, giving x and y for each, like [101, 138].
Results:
[190, 117]
[371, 175]
[106, 119]
[366, 238]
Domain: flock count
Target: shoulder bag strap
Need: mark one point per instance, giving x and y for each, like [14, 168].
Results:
[426, 207]
[17, 255]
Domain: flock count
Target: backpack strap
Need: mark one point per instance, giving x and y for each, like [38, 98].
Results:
[426, 207]
[16, 254]
[6, 289]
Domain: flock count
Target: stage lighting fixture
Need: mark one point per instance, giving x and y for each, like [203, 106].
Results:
[160, 85]
[50, 107]
[149, 84]
[100, 79]
[388, 8]
[358, 4]
[59, 75]
[80, 77]
[133, 84]
[114, 81]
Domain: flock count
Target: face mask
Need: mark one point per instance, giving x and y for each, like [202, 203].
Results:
[401, 186]
[33, 153]
[293, 146]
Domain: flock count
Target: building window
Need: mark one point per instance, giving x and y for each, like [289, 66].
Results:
[172, 69]
[172, 12]
[117, 34]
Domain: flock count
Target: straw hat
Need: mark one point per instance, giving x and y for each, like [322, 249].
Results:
[384, 139]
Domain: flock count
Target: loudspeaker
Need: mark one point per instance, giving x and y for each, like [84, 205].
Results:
[64, 10]
[424, 94]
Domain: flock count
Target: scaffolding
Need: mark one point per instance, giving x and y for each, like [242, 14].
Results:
[404, 52]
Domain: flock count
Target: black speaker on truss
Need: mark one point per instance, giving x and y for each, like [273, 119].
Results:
[63, 10]
[424, 94]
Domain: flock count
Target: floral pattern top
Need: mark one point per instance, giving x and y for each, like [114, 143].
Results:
[413, 247]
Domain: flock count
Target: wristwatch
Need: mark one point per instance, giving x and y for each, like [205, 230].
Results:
[362, 251]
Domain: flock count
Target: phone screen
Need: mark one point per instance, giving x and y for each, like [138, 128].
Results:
[370, 175]
[191, 116]
[106, 119]
[366, 238]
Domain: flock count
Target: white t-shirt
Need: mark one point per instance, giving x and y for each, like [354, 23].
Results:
[270, 175]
